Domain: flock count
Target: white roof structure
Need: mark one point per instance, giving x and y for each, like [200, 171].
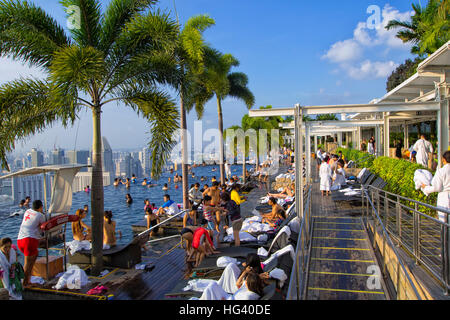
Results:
[423, 97]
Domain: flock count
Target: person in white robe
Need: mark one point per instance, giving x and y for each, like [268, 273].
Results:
[8, 257]
[325, 176]
[339, 176]
[251, 289]
[423, 148]
[441, 184]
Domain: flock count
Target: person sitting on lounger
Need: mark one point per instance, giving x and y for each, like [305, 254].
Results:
[109, 230]
[232, 279]
[287, 192]
[280, 216]
[339, 176]
[272, 216]
[252, 289]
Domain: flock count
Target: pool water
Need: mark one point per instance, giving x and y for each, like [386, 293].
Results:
[124, 215]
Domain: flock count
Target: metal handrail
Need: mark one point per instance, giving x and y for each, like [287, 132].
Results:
[447, 211]
[390, 243]
[413, 243]
[144, 233]
[297, 278]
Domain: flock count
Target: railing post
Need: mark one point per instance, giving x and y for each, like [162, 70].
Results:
[399, 221]
[416, 238]
[386, 212]
[445, 256]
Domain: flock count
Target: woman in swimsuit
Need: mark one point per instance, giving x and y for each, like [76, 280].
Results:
[79, 227]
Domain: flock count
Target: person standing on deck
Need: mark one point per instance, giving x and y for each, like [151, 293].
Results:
[30, 236]
[325, 176]
[398, 149]
[441, 184]
[422, 147]
[228, 169]
[319, 157]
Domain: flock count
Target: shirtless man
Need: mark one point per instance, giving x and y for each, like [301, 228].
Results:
[214, 193]
[272, 216]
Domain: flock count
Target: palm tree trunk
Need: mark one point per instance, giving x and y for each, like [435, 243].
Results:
[184, 165]
[97, 205]
[221, 151]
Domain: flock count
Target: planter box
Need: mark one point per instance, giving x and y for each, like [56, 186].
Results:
[55, 266]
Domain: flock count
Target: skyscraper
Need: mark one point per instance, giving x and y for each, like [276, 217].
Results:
[107, 157]
[78, 157]
[37, 158]
[57, 157]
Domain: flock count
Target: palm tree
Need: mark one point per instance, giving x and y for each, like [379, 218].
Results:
[428, 29]
[218, 80]
[190, 52]
[119, 55]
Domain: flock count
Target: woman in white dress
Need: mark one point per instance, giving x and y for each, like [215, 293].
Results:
[441, 184]
[325, 176]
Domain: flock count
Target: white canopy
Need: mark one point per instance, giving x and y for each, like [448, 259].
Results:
[61, 198]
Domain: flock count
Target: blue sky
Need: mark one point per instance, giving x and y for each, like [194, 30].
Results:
[293, 51]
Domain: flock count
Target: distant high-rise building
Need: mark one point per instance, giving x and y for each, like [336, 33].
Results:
[37, 158]
[145, 161]
[107, 157]
[57, 157]
[78, 157]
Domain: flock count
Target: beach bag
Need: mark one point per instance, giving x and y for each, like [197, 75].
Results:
[16, 277]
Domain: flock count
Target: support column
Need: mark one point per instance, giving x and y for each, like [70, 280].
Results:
[386, 134]
[359, 133]
[339, 139]
[308, 153]
[443, 129]
[315, 143]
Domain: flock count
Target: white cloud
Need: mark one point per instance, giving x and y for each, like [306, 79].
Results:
[351, 54]
[371, 70]
[343, 51]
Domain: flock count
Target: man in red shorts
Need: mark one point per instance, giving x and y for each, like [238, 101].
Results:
[29, 236]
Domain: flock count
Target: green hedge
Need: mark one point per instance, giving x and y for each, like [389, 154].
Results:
[363, 159]
[398, 174]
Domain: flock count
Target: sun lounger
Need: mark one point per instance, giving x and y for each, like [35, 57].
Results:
[121, 256]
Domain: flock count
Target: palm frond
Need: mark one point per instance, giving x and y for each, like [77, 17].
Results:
[117, 15]
[28, 34]
[78, 68]
[27, 107]
[238, 88]
[159, 109]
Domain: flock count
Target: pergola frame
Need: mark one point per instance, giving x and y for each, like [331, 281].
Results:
[311, 128]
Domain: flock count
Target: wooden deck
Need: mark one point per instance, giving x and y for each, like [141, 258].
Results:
[341, 254]
[167, 257]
